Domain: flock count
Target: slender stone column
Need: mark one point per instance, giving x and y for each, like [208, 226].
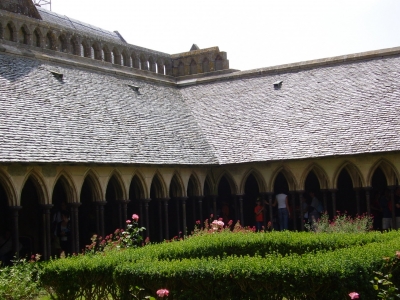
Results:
[100, 217]
[368, 198]
[46, 230]
[183, 199]
[294, 213]
[240, 198]
[392, 189]
[325, 200]
[166, 218]
[146, 209]
[160, 225]
[333, 195]
[271, 217]
[200, 202]
[214, 198]
[123, 211]
[75, 226]
[178, 215]
[262, 198]
[357, 191]
[15, 229]
[193, 200]
[142, 217]
[302, 212]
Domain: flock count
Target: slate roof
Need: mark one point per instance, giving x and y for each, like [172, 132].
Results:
[95, 117]
[92, 117]
[68, 23]
[344, 109]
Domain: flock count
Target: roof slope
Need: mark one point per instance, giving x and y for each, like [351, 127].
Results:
[343, 109]
[61, 20]
[92, 117]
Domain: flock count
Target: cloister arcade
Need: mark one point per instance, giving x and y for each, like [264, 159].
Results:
[170, 200]
[107, 51]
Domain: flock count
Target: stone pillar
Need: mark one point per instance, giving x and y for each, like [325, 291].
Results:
[368, 198]
[293, 195]
[15, 229]
[123, 212]
[193, 200]
[392, 189]
[166, 218]
[178, 215]
[357, 191]
[214, 199]
[160, 225]
[200, 201]
[240, 198]
[75, 226]
[302, 212]
[333, 195]
[141, 222]
[262, 198]
[271, 217]
[183, 199]
[46, 232]
[325, 200]
[146, 209]
[100, 217]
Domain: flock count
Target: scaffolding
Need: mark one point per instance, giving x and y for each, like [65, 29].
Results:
[43, 3]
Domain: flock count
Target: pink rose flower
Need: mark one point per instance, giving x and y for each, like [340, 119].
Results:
[162, 292]
[128, 221]
[135, 217]
[354, 295]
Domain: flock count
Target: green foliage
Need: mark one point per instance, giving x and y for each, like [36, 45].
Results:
[241, 266]
[383, 280]
[341, 223]
[21, 280]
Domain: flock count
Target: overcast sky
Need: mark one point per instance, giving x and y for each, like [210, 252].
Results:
[254, 33]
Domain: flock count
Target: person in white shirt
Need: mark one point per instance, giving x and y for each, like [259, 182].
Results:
[281, 200]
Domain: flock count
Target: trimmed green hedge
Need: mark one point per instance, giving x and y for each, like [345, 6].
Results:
[329, 275]
[210, 259]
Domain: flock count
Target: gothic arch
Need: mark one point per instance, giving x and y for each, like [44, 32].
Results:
[126, 58]
[107, 54]
[152, 64]
[51, 40]
[1, 30]
[160, 66]
[205, 64]
[115, 175]
[24, 34]
[37, 38]
[319, 172]
[69, 186]
[177, 180]
[290, 178]
[9, 188]
[116, 54]
[10, 32]
[161, 190]
[390, 171]
[218, 63]
[232, 184]
[40, 186]
[210, 182]
[197, 190]
[85, 49]
[355, 175]
[259, 178]
[62, 43]
[181, 69]
[97, 51]
[135, 61]
[75, 46]
[138, 178]
[193, 67]
[143, 62]
[93, 180]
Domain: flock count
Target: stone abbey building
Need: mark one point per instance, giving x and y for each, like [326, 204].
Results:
[113, 129]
